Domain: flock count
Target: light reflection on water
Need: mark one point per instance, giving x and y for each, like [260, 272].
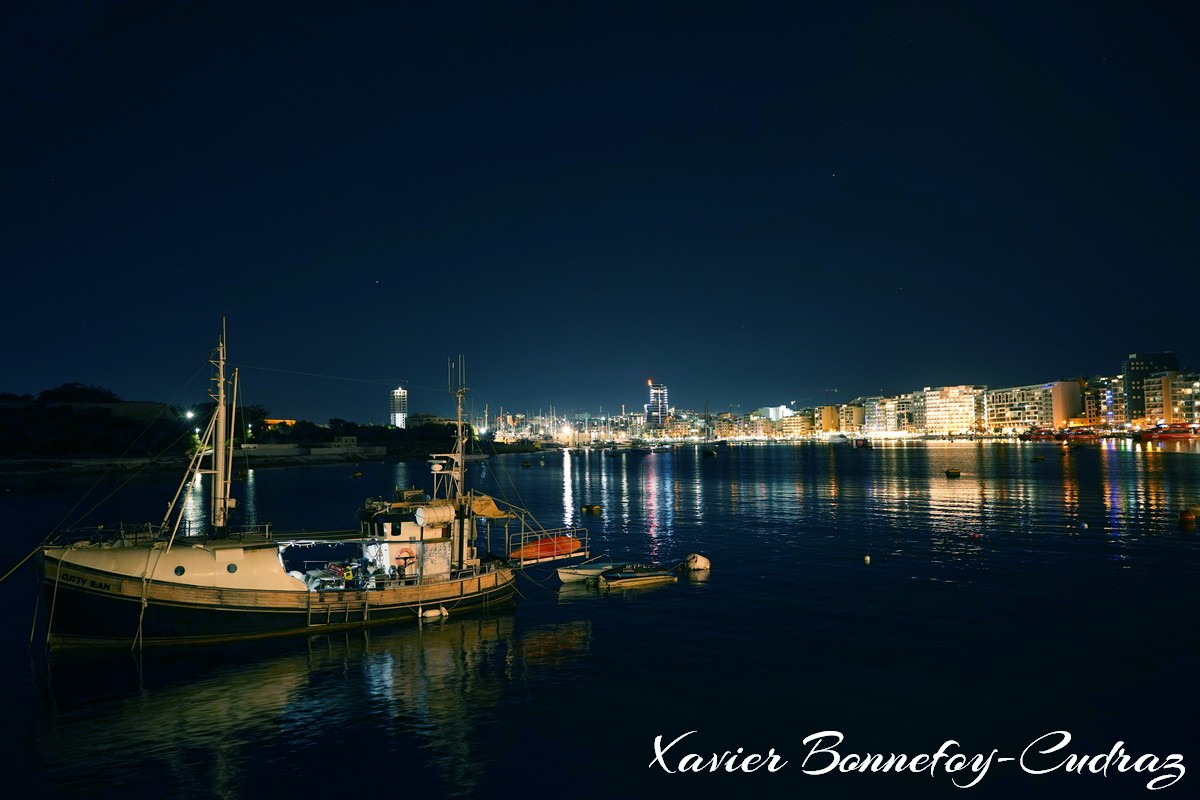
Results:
[1002, 488]
[388, 698]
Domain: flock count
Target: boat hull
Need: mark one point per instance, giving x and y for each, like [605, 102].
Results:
[636, 580]
[93, 608]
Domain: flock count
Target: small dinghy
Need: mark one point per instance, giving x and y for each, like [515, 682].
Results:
[588, 570]
[629, 575]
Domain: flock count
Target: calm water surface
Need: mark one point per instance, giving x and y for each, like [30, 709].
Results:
[1022, 598]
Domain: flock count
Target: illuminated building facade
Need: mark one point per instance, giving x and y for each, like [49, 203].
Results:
[851, 417]
[1171, 398]
[1135, 370]
[880, 414]
[954, 409]
[1041, 405]
[796, 425]
[1103, 401]
[398, 408]
[658, 408]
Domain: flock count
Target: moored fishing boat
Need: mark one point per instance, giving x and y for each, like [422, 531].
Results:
[155, 585]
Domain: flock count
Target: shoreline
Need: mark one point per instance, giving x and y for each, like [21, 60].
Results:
[34, 467]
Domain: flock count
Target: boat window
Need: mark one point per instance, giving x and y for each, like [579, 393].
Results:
[232, 568]
[179, 570]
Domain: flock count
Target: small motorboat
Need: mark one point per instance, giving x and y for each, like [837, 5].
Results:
[628, 575]
[952, 473]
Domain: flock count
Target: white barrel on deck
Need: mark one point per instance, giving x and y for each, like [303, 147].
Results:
[434, 515]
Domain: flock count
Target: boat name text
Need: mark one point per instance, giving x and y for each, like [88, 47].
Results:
[87, 583]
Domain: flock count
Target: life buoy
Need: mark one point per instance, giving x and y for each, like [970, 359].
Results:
[405, 554]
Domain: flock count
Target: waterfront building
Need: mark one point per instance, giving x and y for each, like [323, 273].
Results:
[827, 419]
[914, 418]
[398, 408]
[1171, 397]
[658, 408]
[1041, 405]
[1137, 367]
[1185, 398]
[910, 412]
[758, 428]
[728, 425]
[773, 413]
[796, 425]
[851, 417]
[880, 414]
[950, 410]
[1103, 401]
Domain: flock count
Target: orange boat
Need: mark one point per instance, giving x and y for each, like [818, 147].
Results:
[547, 547]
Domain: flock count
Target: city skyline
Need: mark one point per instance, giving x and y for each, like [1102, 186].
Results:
[752, 204]
[396, 405]
[1128, 383]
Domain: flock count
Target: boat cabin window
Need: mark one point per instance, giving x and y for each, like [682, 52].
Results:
[179, 570]
[232, 568]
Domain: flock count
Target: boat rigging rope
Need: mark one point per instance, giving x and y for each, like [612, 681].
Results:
[513, 484]
[525, 573]
[21, 563]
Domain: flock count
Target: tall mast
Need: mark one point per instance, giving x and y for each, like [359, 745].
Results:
[451, 480]
[460, 450]
[220, 487]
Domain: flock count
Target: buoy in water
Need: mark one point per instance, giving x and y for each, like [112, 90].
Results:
[1083, 526]
[697, 562]
[435, 613]
[867, 560]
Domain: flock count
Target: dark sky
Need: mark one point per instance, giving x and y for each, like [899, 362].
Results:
[752, 203]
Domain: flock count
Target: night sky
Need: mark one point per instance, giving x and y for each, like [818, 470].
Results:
[752, 203]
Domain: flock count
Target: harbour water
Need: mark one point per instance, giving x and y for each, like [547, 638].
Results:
[857, 591]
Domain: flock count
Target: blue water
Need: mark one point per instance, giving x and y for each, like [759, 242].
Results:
[1020, 599]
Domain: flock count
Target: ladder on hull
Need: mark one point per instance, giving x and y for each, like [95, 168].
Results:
[331, 608]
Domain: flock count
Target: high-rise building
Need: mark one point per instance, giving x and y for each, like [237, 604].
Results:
[657, 408]
[398, 408]
[1135, 371]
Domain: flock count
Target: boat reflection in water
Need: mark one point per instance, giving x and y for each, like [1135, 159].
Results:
[391, 709]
